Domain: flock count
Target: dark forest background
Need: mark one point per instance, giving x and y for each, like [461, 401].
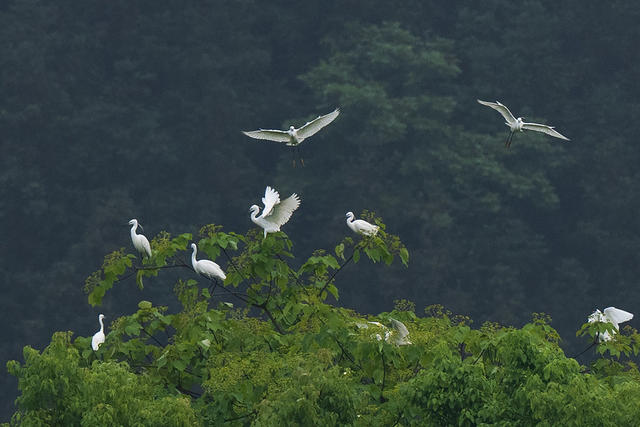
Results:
[112, 110]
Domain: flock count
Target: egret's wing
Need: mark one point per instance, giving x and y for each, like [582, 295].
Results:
[617, 315]
[501, 108]
[400, 328]
[312, 127]
[281, 212]
[269, 134]
[270, 199]
[549, 130]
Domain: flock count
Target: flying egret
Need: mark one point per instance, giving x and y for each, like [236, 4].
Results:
[139, 241]
[518, 125]
[98, 337]
[206, 268]
[275, 213]
[611, 315]
[293, 137]
[361, 226]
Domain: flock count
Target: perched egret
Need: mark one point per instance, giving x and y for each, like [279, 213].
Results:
[361, 226]
[206, 268]
[98, 337]
[518, 125]
[293, 137]
[139, 241]
[397, 336]
[275, 213]
[400, 334]
[611, 315]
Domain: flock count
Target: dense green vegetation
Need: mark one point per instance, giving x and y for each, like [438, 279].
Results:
[118, 110]
[283, 356]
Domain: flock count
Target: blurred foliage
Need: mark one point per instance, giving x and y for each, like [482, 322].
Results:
[118, 110]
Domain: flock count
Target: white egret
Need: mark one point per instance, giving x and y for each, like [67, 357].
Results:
[361, 226]
[139, 241]
[98, 337]
[612, 315]
[397, 336]
[518, 124]
[206, 268]
[293, 137]
[275, 213]
[400, 334]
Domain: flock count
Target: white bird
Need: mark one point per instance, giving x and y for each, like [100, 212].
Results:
[98, 337]
[139, 241]
[293, 137]
[361, 226]
[398, 336]
[401, 332]
[611, 315]
[206, 268]
[518, 125]
[275, 213]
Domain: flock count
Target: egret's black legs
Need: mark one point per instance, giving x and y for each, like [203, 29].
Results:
[507, 143]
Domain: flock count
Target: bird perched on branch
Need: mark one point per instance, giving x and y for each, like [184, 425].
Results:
[361, 226]
[206, 268]
[139, 241]
[98, 337]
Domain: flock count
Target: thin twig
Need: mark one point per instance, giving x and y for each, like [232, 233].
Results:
[336, 272]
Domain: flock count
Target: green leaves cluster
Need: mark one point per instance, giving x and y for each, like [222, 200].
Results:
[265, 348]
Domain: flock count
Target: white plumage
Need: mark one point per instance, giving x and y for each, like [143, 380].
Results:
[397, 336]
[361, 226]
[98, 337]
[139, 241]
[612, 315]
[293, 136]
[518, 124]
[275, 213]
[206, 268]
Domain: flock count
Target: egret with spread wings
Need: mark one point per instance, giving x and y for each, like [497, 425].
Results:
[518, 124]
[612, 315]
[276, 213]
[293, 137]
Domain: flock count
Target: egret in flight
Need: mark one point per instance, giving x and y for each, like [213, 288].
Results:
[98, 337]
[361, 226]
[293, 137]
[206, 268]
[139, 241]
[611, 315]
[518, 125]
[275, 213]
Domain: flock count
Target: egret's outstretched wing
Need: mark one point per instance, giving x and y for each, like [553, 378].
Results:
[270, 199]
[281, 212]
[269, 134]
[549, 130]
[402, 330]
[312, 127]
[617, 315]
[501, 108]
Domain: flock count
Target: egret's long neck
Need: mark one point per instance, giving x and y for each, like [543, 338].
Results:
[193, 256]
[133, 231]
[101, 325]
[350, 222]
[254, 215]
